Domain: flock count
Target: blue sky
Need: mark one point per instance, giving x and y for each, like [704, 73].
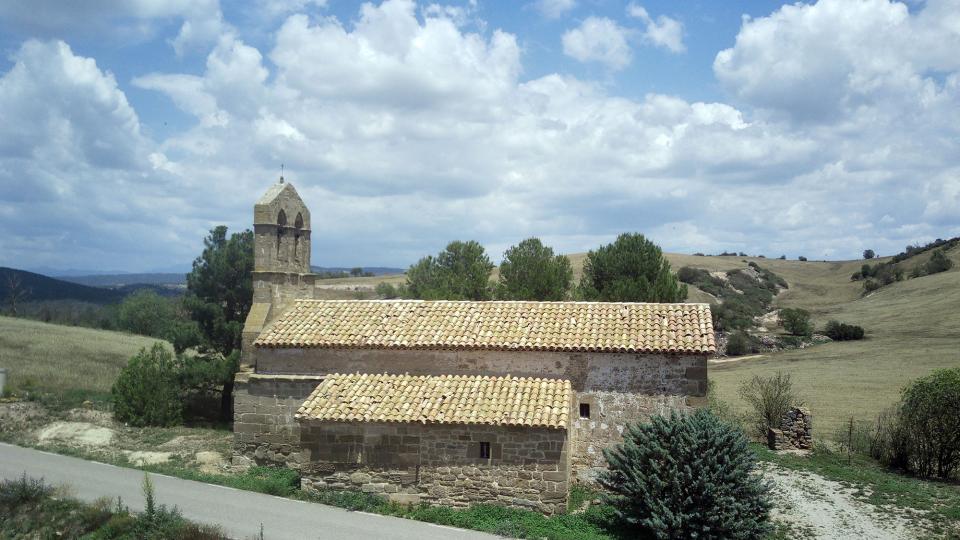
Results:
[817, 129]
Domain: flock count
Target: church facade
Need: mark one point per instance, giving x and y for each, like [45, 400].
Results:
[447, 402]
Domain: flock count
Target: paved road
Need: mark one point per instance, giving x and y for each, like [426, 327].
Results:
[239, 512]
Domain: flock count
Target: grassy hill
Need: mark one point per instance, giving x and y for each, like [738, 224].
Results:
[53, 358]
[42, 288]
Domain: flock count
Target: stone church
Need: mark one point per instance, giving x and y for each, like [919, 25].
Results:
[447, 402]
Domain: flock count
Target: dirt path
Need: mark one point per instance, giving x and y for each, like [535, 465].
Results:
[819, 508]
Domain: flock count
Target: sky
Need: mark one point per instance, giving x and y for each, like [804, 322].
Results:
[128, 129]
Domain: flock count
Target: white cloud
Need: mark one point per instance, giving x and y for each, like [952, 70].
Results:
[661, 32]
[405, 130]
[554, 9]
[827, 61]
[202, 20]
[598, 39]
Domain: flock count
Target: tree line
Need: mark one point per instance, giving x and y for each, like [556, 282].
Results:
[630, 269]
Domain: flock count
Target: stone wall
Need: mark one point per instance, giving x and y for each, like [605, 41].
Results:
[264, 429]
[649, 374]
[619, 388]
[610, 412]
[795, 433]
[439, 464]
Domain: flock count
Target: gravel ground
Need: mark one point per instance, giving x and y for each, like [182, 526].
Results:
[815, 507]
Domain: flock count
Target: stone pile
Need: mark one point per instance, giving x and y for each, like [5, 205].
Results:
[795, 433]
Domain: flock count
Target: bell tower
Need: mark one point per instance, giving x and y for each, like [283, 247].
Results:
[281, 228]
[281, 261]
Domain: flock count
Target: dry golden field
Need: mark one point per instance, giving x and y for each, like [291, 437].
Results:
[55, 358]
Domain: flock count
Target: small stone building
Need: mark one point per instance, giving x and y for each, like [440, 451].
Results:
[448, 402]
[443, 439]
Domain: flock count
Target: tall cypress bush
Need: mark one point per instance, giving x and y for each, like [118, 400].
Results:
[687, 476]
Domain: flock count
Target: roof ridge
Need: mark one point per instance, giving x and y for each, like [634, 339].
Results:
[554, 302]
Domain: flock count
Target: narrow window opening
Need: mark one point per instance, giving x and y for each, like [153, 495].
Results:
[484, 450]
[281, 223]
[584, 410]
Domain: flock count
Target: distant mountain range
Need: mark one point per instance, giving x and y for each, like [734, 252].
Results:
[375, 270]
[37, 287]
[103, 288]
[120, 280]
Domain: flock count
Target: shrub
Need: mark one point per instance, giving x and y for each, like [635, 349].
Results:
[740, 343]
[687, 476]
[839, 331]
[147, 391]
[890, 444]
[938, 263]
[929, 410]
[386, 290]
[691, 275]
[796, 321]
[870, 285]
[802, 258]
[23, 490]
[769, 399]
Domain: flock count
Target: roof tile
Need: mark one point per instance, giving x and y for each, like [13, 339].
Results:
[445, 399]
[465, 325]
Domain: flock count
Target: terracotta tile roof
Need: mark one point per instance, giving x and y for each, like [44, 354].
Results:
[540, 326]
[440, 399]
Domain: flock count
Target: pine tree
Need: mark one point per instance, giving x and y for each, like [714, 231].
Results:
[632, 269]
[687, 476]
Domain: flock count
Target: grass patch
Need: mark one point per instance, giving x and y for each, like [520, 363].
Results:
[939, 501]
[65, 365]
[29, 508]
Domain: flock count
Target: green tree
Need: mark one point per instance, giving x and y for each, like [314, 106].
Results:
[459, 272]
[220, 293]
[632, 269]
[530, 271]
[796, 321]
[356, 272]
[868, 254]
[687, 476]
[146, 313]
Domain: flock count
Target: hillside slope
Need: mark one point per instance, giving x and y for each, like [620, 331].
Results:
[51, 358]
[40, 288]
[913, 327]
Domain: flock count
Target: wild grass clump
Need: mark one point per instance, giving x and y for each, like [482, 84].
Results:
[769, 398]
[23, 490]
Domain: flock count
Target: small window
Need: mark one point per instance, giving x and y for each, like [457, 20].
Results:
[484, 450]
[584, 410]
